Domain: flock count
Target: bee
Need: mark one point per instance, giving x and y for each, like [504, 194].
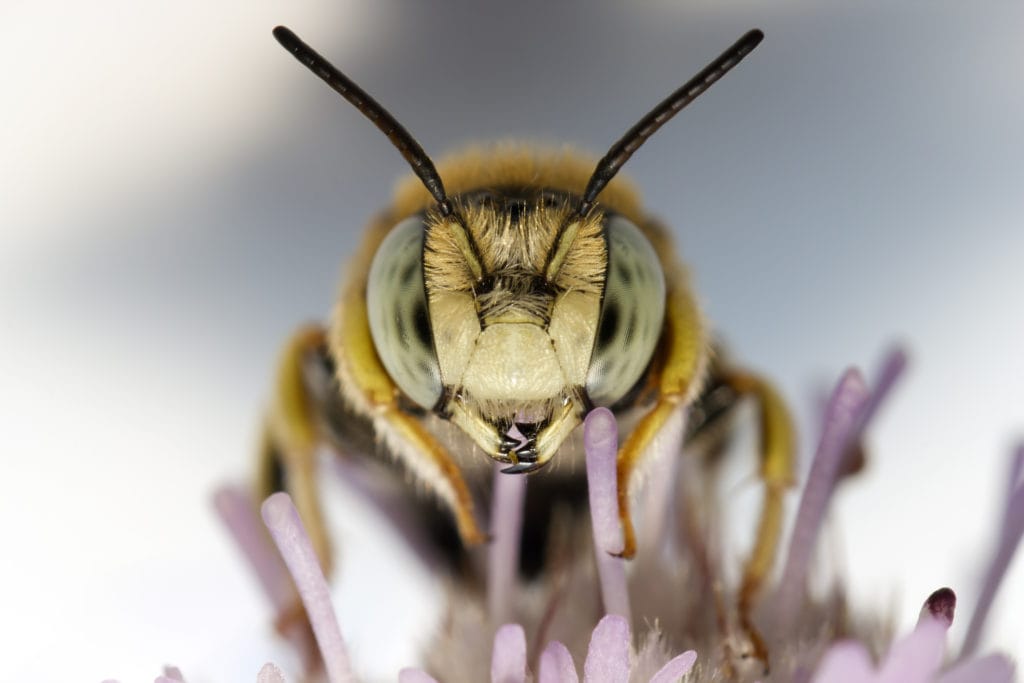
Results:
[500, 298]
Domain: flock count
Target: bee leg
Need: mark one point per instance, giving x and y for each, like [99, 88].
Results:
[682, 356]
[369, 390]
[291, 434]
[293, 427]
[431, 462]
[777, 450]
[710, 423]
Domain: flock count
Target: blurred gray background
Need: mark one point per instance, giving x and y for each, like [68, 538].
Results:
[179, 194]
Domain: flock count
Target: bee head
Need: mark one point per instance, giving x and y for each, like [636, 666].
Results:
[514, 315]
[512, 311]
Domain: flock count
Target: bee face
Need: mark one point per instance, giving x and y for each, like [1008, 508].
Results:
[514, 312]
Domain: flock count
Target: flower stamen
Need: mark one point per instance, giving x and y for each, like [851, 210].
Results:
[850, 408]
[289, 534]
[600, 439]
[509, 494]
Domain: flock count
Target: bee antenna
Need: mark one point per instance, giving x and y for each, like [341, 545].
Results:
[421, 164]
[622, 150]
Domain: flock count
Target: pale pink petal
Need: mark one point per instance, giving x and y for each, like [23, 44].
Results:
[676, 668]
[506, 534]
[845, 662]
[282, 519]
[508, 659]
[556, 665]
[990, 669]
[915, 658]
[270, 673]
[415, 676]
[174, 674]
[600, 440]
[608, 653]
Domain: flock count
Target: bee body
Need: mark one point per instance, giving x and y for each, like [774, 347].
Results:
[498, 300]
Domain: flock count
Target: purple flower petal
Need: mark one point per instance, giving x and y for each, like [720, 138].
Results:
[608, 654]
[893, 365]
[1006, 546]
[508, 659]
[556, 665]
[676, 668]
[600, 439]
[270, 673]
[415, 676]
[506, 532]
[239, 513]
[841, 417]
[845, 662]
[282, 519]
[990, 669]
[915, 658]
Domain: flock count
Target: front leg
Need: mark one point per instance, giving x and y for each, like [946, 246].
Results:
[369, 391]
[310, 407]
[726, 387]
[682, 364]
[292, 432]
[682, 360]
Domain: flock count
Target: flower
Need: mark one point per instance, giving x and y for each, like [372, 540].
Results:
[675, 594]
[610, 655]
[916, 658]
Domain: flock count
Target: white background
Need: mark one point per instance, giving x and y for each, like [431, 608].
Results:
[178, 194]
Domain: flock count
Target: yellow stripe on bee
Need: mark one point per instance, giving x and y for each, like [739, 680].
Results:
[361, 355]
[290, 438]
[292, 414]
[685, 347]
[777, 442]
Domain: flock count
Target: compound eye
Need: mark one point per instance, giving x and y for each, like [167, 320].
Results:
[396, 304]
[632, 313]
